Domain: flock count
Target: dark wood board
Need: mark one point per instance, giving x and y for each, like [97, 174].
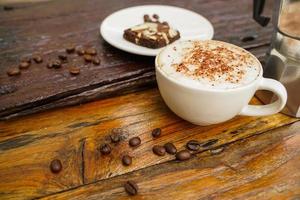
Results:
[48, 27]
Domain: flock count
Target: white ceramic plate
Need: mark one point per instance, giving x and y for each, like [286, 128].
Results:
[191, 25]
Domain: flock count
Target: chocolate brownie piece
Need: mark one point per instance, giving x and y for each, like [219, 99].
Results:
[151, 34]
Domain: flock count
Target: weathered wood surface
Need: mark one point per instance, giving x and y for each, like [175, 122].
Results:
[260, 167]
[74, 134]
[48, 27]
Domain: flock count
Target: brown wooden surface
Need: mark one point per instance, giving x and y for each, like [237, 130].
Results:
[48, 27]
[261, 154]
[254, 150]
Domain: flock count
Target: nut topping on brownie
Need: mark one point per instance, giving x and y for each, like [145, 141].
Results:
[152, 33]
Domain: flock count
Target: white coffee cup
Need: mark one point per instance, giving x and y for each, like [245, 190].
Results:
[205, 106]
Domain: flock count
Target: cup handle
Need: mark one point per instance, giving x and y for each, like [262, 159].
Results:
[272, 108]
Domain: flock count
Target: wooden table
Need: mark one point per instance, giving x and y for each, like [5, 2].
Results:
[260, 157]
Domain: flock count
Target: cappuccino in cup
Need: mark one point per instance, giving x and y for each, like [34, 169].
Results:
[209, 64]
[208, 82]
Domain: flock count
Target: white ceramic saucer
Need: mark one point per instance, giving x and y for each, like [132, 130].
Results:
[191, 25]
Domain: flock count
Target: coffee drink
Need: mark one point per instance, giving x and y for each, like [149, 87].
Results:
[208, 64]
[208, 82]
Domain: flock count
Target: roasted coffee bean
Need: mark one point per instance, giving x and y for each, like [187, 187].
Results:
[24, 65]
[135, 141]
[63, 58]
[193, 145]
[159, 150]
[55, 166]
[131, 188]
[126, 160]
[37, 59]
[80, 51]
[13, 71]
[74, 70]
[70, 49]
[91, 51]
[209, 142]
[105, 149]
[56, 63]
[156, 132]
[96, 61]
[88, 58]
[183, 155]
[170, 148]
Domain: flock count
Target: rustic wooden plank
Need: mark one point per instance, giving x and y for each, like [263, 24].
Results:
[48, 27]
[62, 132]
[25, 166]
[265, 166]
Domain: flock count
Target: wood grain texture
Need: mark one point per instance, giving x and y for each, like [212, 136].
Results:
[264, 166]
[48, 27]
[28, 144]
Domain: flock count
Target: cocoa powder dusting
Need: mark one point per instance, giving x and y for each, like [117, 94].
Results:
[213, 62]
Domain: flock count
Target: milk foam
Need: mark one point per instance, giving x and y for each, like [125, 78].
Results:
[241, 68]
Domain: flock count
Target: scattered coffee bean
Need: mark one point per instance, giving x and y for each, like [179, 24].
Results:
[105, 149]
[135, 141]
[70, 49]
[74, 70]
[159, 150]
[183, 155]
[24, 65]
[193, 145]
[26, 59]
[91, 51]
[55, 166]
[131, 188]
[126, 160]
[37, 59]
[156, 132]
[216, 151]
[13, 71]
[209, 142]
[96, 61]
[63, 58]
[80, 51]
[87, 58]
[170, 148]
